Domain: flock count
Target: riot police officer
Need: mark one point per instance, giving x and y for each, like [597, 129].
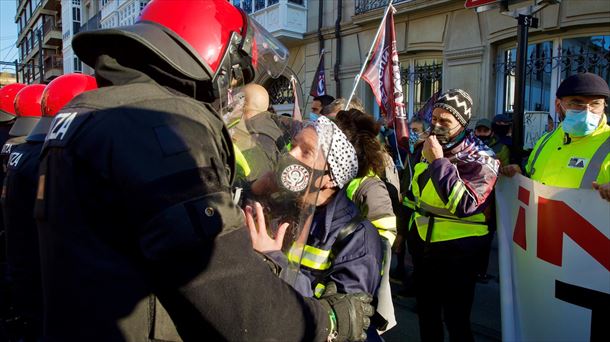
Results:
[134, 192]
[18, 197]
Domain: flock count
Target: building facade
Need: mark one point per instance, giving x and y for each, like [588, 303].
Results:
[85, 15]
[442, 45]
[39, 40]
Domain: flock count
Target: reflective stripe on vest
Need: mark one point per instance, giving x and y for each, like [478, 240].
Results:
[595, 164]
[447, 226]
[408, 203]
[315, 258]
[241, 161]
[319, 290]
[382, 224]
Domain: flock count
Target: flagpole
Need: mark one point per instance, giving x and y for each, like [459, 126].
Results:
[358, 75]
[309, 93]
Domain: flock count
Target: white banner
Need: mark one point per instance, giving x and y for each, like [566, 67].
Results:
[554, 254]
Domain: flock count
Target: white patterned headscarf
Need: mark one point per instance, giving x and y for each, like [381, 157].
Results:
[339, 153]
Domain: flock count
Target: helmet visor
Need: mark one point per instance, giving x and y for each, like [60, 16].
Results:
[269, 55]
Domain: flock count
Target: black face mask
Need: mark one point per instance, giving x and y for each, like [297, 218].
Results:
[501, 130]
[484, 138]
[293, 178]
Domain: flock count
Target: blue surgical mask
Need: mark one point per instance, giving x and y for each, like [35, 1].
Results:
[579, 123]
[313, 116]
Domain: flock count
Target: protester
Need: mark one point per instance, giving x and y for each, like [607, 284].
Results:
[484, 131]
[418, 126]
[370, 194]
[331, 110]
[341, 246]
[257, 134]
[318, 103]
[451, 187]
[134, 196]
[577, 153]
[502, 126]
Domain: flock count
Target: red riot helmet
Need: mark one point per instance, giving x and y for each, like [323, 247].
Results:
[7, 101]
[200, 40]
[28, 109]
[55, 96]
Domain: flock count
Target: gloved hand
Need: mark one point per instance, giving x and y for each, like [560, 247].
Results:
[350, 312]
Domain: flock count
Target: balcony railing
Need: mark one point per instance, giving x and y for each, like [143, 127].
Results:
[252, 6]
[92, 24]
[363, 6]
[50, 25]
[285, 19]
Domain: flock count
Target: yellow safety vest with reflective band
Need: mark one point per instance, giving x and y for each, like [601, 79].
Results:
[386, 226]
[574, 165]
[241, 162]
[446, 225]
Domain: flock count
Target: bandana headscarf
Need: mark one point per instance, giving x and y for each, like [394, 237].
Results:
[338, 151]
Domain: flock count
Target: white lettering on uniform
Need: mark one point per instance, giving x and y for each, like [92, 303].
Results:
[6, 148]
[14, 159]
[60, 125]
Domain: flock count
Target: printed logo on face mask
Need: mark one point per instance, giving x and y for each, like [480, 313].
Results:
[577, 163]
[295, 177]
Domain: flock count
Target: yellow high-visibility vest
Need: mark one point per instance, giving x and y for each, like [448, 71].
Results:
[573, 165]
[447, 226]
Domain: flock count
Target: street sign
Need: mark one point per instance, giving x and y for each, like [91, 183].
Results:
[477, 3]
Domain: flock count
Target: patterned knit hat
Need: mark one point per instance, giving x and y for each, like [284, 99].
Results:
[338, 151]
[458, 103]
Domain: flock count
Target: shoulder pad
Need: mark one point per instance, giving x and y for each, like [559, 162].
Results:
[64, 128]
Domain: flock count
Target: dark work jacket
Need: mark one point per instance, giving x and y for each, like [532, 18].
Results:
[18, 197]
[357, 266]
[135, 200]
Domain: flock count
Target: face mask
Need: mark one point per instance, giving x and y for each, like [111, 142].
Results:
[413, 139]
[484, 138]
[293, 177]
[500, 130]
[442, 134]
[579, 123]
[313, 116]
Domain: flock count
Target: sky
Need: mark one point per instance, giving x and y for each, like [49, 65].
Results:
[8, 33]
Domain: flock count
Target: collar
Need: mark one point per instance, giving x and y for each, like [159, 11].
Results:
[332, 216]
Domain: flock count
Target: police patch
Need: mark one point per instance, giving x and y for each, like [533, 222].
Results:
[577, 163]
[295, 177]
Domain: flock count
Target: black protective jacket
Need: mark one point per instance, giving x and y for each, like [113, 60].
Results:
[20, 185]
[135, 199]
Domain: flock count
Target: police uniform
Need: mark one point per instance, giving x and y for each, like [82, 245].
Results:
[134, 199]
[18, 196]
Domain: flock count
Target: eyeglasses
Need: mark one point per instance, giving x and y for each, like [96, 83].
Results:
[595, 106]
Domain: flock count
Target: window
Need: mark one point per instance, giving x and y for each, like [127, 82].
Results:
[421, 78]
[548, 63]
[77, 65]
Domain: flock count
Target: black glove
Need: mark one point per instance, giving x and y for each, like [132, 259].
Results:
[350, 312]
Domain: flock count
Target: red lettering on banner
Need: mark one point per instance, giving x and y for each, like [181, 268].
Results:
[555, 218]
[519, 232]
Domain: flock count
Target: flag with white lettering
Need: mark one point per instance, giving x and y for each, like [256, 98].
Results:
[383, 75]
[554, 254]
[318, 86]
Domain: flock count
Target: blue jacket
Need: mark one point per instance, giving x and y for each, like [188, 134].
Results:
[356, 267]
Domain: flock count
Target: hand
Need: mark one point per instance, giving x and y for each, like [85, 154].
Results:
[604, 190]
[265, 184]
[510, 170]
[432, 149]
[351, 313]
[261, 241]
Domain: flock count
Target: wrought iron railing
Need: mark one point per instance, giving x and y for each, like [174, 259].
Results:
[422, 73]
[570, 61]
[280, 91]
[250, 6]
[363, 6]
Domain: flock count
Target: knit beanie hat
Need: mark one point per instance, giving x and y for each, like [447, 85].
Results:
[458, 103]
